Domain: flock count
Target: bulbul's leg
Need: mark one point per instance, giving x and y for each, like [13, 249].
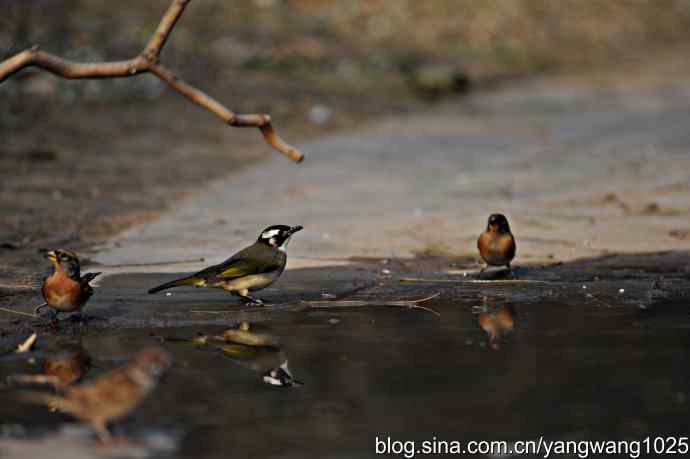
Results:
[248, 299]
[484, 268]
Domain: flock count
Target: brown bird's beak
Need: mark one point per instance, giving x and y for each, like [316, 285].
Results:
[51, 255]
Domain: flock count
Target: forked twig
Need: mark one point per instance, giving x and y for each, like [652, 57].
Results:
[412, 304]
[148, 61]
[420, 280]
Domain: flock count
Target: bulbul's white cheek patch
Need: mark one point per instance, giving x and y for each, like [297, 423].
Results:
[269, 234]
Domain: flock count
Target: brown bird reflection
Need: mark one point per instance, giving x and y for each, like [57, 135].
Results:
[60, 369]
[111, 396]
[497, 323]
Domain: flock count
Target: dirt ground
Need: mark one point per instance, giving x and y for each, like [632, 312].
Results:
[83, 160]
[141, 162]
[74, 181]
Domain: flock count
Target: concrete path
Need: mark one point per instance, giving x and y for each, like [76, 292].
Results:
[579, 172]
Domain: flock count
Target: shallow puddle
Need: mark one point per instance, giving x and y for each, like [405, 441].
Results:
[566, 371]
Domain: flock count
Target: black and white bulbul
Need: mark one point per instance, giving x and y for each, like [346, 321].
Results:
[251, 269]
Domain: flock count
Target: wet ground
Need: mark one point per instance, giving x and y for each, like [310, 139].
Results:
[588, 340]
[599, 356]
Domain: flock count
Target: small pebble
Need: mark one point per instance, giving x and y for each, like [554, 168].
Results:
[584, 286]
[385, 271]
[333, 321]
[168, 293]
[328, 296]
[622, 290]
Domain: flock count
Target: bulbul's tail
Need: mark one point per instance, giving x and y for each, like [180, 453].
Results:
[175, 283]
[44, 398]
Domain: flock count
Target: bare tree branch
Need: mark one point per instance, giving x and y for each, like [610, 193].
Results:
[145, 62]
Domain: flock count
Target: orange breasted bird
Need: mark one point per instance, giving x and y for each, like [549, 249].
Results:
[66, 290]
[496, 245]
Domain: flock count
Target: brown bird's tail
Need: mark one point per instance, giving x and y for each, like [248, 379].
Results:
[44, 398]
[175, 283]
[88, 277]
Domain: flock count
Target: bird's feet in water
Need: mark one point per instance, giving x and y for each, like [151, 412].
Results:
[251, 301]
[49, 321]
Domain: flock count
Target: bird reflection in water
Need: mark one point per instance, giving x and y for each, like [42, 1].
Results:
[59, 369]
[497, 323]
[255, 350]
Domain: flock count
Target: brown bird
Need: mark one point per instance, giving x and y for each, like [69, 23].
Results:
[112, 395]
[497, 324]
[496, 245]
[66, 290]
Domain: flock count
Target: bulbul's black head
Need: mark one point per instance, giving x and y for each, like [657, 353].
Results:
[498, 223]
[277, 235]
[67, 260]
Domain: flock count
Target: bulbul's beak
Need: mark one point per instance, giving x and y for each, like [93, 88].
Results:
[294, 229]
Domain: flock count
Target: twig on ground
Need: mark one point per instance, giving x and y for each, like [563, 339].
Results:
[12, 311]
[420, 280]
[412, 304]
[27, 344]
[158, 263]
[148, 61]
